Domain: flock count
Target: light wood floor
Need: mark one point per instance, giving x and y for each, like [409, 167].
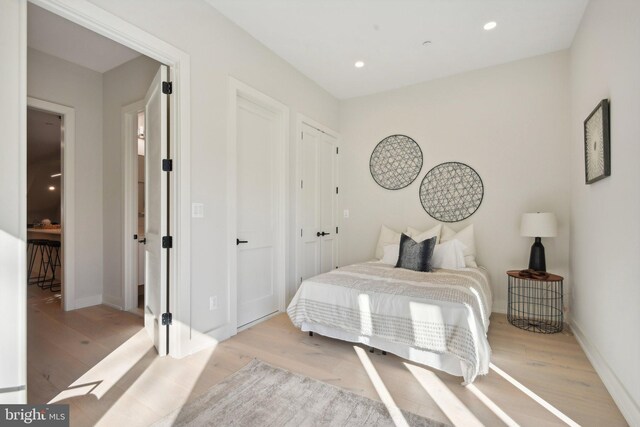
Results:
[100, 361]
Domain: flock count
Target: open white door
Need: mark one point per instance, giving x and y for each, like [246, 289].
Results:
[155, 222]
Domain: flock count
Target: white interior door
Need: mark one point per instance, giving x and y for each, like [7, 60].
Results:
[319, 190]
[310, 203]
[259, 145]
[327, 159]
[155, 224]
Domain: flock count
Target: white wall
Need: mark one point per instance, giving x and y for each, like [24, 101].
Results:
[55, 80]
[218, 49]
[121, 86]
[605, 216]
[13, 161]
[507, 122]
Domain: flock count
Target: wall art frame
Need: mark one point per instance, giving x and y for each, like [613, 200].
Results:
[451, 192]
[395, 162]
[597, 144]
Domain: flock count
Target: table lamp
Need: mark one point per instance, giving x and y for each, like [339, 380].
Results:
[538, 225]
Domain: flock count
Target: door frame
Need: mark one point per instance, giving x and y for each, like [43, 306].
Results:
[129, 117]
[301, 120]
[239, 89]
[94, 18]
[67, 146]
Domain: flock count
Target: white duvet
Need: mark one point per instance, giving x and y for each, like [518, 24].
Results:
[439, 319]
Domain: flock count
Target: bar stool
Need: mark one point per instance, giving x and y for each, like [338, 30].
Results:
[39, 247]
[53, 262]
[30, 257]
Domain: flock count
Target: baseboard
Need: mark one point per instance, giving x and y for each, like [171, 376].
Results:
[111, 302]
[619, 393]
[112, 305]
[88, 301]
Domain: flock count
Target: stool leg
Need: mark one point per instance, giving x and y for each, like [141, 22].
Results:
[31, 253]
[46, 262]
[55, 263]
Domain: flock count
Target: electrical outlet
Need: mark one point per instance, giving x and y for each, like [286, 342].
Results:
[213, 303]
[346, 213]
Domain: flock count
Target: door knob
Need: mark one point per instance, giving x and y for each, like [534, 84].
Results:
[238, 241]
[143, 241]
[318, 234]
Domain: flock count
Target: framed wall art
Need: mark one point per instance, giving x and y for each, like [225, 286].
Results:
[597, 144]
[451, 192]
[395, 162]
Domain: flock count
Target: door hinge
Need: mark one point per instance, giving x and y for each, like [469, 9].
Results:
[301, 135]
[167, 165]
[300, 279]
[301, 232]
[336, 190]
[301, 184]
[167, 242]
[337, 150]
[167, 319]
[336, 230]
[167, 88]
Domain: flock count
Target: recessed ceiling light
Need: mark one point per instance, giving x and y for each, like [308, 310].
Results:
[490, 25]
[359, 64]
[427, 42]
[52, 188]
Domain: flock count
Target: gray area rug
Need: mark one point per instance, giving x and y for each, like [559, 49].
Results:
[262, 395]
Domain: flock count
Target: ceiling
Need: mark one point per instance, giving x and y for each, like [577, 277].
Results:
[43, 136]
[324, 38]
[59, 37]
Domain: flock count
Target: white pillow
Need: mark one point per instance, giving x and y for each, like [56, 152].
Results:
[387, 237]
[419, 236]
[391, 254]
[466, 236]
[449, 255]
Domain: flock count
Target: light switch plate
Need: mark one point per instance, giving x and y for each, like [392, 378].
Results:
[197, 210]
[346, 213]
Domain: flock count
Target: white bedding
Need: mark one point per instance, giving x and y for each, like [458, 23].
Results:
[439, 319]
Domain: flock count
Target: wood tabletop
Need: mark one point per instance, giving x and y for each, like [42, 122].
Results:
[54, 231]
[552, 277]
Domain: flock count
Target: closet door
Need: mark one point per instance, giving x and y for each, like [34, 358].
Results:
[318, 189]
[328, 193]
[310, 203]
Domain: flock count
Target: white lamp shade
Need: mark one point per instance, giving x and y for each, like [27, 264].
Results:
[540, 224]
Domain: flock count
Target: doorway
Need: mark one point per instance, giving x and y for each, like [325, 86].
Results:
[44, 205]
[98, 188]
[49, 261]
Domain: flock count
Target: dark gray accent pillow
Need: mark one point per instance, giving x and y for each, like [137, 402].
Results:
[416, 256]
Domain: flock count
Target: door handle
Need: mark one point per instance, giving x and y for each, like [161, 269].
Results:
[238, 241]
[143, 241]
[318, 234]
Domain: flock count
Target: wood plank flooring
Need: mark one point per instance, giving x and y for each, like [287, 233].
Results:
[100, 361]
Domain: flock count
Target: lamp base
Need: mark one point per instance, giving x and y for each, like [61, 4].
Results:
[536, 259]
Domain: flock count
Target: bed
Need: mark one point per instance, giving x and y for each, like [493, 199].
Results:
[439, 319]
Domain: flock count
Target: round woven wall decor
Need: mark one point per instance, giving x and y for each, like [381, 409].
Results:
[451, 192]
[395, 162]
